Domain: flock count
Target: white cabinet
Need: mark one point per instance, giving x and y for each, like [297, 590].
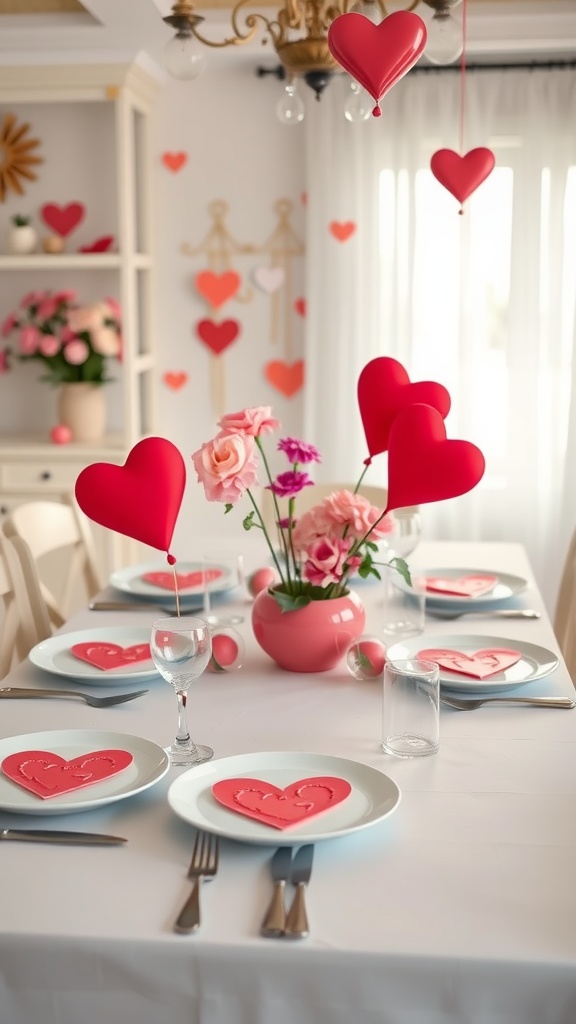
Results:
[94, 124]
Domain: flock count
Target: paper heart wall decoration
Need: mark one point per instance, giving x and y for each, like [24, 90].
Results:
[377, 56]
[384, 388]
[140, 499]
[287, 378]
[217, 336]
[423, 465]
[281, 808]
[462, 175]
[174, 161]
[217, 288]
[269, 279]
[174, 380]
[46, 774]
[342, 230]
[62, 219]
[300, 306]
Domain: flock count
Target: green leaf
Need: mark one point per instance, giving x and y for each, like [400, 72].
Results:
[248, 521]
[370, 544]
[228, 507]
[290, 602]
[402, 568]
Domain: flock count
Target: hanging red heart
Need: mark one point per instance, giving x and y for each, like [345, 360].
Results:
[342, 230]
[62, 219]
[174, 161]
[423, 465]
[217, 288]
[462, 175]
[140, 499]
[287, 378]
[377, 56]
[217, 336]
[383, 389]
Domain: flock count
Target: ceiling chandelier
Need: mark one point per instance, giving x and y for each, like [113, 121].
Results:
[298, 32]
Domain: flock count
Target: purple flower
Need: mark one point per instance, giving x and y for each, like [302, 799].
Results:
[287, 485]
[299, 451]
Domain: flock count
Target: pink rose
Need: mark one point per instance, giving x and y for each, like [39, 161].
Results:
[105, 341]
[8, 325]
[226, 466]
[49, 345]
[310, 526]
[256, 421]
[29, 340]
[64, 297]
[76, 352]
[326, 560]
[356, 512]
[47, 308]
[87, 318]
[32, 299]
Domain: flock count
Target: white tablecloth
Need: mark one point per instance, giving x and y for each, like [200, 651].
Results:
[460, 908]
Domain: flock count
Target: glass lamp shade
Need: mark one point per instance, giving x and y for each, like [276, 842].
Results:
[445, 41]
[184, 57]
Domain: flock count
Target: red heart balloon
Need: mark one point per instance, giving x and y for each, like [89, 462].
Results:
[383, 389]
[462, 175]
[140, 499]
[377, 56]
[423, 465]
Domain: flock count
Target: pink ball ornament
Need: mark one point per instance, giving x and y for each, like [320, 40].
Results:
[227, 650]
[365, 658]
[61, 434]
[262, 579]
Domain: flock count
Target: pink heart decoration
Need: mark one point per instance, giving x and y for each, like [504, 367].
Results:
[108, 656]
[462, 175]
[423, 465]
[287, 378]
[281, 808]
[62, 219]
[383, 389]
[185, 580]
[174, 161]
[377, 56]
[175, 381]
[342, 230]
[481, 664]
[140, 499]
[47, 775]
[217, 336]
[464, 586]
[217, 288]
[300, 306]
[269, 279]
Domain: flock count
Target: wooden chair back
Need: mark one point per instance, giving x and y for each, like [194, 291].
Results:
[24, 618]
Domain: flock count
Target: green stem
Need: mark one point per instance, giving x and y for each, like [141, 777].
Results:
[265, 532]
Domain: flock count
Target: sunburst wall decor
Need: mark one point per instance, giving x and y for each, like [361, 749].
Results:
[16, 156]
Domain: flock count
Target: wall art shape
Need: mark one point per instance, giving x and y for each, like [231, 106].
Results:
[217, 336]
[283, 246]
[17, 156]
[269, 279]
[174, 161]
[175, 380]
[217, 289]
[342, 230]
[62, 220]
[300, 306]
[287, 378]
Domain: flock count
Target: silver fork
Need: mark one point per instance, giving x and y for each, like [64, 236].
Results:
[204, 865]
[94, 702]
[471, 705]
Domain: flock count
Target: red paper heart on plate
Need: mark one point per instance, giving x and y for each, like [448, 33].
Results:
[383, 389]
[108, 656]
[423, 465]
[185, 580]
[463, 586]
[281, 808]
[287, 378]
[46, 774]
[217, 288]
[174, 161]
[217, 336]
[377, 55]
[342, 230]
[462, 175]
[481, 664]
[140, 499]
[62, 219]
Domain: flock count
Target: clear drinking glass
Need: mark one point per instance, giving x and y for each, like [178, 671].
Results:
[181, 649]
[410, 708]
[407, 532]
[229, 586]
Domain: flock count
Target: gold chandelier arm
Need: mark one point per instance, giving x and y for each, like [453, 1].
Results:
[243, 33]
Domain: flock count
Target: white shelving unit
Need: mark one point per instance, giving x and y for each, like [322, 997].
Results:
[94, 123]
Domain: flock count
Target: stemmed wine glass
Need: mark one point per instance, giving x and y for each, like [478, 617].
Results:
[181, 649]
[407, 532]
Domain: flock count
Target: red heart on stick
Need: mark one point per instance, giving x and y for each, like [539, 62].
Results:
[377, 56]
[46, 774]
[108, 656]
[217, 288]
[217, 336]
[62, 219]
[383, 389]
[462, 175]
[424, 466]
[281, 808]
[140, 499]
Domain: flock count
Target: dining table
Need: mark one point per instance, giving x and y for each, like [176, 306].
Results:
[459, 907]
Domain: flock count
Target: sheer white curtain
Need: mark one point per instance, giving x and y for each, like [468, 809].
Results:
[483, 303]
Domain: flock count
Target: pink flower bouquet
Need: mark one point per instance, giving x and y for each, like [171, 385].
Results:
[71, 341]
[320, 550]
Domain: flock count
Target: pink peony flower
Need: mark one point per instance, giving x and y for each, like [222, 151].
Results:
[65, 297]
[298, 451]
[256, 421]
[86, 318]
[311, 526]
[47, 307]
[49, 345]
[286, 485]
[32, 299]
[76, 352]
[326, 559]
[356, 512]
[8, 325]
[226, 466]
[105, 341]
[29, 340]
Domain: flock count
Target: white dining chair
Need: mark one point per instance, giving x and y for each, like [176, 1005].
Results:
[60, 529]
[24, 618]
[565, 612]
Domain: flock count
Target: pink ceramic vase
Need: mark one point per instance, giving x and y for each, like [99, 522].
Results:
[311, 639]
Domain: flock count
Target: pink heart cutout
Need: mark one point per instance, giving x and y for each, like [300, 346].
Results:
[377, 55]
[107, 656]
[217, 337]
[174, 161]
[287, 378]
[281, 808]
[269, 279]
[217, 288]
[342, 230]
[185, 580]
[62, 219]
[481, 664]
[384, 389]
[462, 175]
[47, 775]
[463, 586]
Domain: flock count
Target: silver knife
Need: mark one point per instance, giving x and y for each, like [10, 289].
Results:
[142, 606]
[297, 920]
[40, 835]
[275, 917]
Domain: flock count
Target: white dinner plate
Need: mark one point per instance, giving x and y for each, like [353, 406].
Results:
[505, 588]
[535, 662]
[54, 655]
[130, 580]
[150, 763]
[373, 797]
